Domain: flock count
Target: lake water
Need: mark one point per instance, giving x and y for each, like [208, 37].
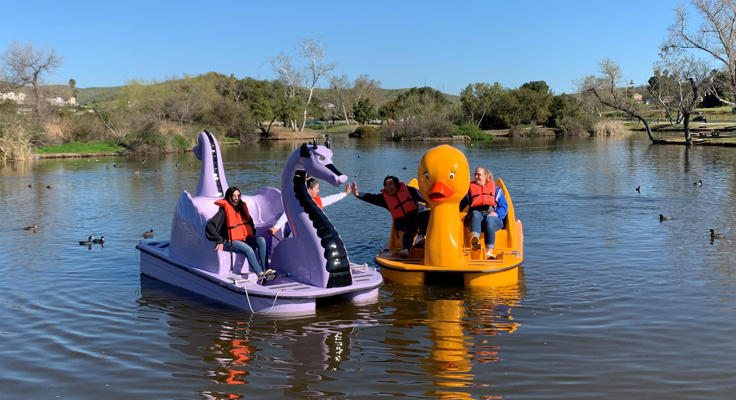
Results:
[612, 302]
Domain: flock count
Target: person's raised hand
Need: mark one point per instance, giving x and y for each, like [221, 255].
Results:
[347, 189]
[219, 247]
[355, 188]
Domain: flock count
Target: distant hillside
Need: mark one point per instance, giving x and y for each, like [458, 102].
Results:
[91, 95]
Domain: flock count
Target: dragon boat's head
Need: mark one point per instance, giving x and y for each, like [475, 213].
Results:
[317, 161]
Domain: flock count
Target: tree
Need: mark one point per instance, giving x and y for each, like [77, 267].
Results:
[563, 106]
[364, 111]
[366, 88]
[340, 90]
[662, 87]
[715, 36]
[475, 102]
[73, 86]
[529, 104]
[263, 98]
[537, 86]
[689, 81]
[481, 101]
[25, 65]
[610, 90]
[312, 50]
[414, 102]
[290, 76]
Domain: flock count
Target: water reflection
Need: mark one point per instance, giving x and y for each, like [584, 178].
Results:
[296, 354]
[460, 325]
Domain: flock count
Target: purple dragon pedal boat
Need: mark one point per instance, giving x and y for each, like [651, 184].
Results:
[312, 264]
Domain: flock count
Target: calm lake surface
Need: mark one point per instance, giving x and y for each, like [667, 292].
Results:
[612, 302]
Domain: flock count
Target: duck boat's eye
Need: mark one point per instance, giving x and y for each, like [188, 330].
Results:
[426, 175]
[452, 175]
[321, 158]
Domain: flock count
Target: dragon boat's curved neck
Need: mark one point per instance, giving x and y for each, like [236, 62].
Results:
[311, 227]
[212, 182]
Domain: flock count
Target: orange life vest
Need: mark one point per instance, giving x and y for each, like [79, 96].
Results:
[401, 203]
[237, 227]
[483, 195]
[318, 200]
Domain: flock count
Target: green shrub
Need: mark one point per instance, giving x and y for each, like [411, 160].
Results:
[472, 132]
[81, 148]
[517, 130]
[571, 126]
[365, 132]
[180, 143]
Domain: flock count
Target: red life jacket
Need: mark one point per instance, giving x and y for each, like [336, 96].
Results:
[318, 200]
[483, 195]
[401, 203]
[238, 228]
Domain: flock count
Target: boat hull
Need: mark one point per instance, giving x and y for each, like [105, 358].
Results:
[279, 297]
[476, 273]
[475, 269]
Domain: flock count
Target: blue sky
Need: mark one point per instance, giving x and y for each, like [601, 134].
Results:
[447, 44]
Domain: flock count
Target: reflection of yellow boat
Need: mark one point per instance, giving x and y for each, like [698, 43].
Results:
[449, 334]
[447, 249]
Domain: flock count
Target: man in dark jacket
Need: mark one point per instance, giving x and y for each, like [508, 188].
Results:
[405, 205]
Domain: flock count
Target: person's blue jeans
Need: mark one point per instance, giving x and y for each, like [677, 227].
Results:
[247, 248]
[409, 224]
[488, 223]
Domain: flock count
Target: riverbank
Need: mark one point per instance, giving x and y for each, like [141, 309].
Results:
[724, 142]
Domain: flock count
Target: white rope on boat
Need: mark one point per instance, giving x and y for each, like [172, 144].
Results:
[251, 305]
[360, 268]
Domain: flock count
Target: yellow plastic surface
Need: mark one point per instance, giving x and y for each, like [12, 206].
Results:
[447, 246]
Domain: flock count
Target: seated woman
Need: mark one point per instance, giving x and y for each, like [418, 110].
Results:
[232, 228]
[405, 205]
[313, 189]
[487, 210]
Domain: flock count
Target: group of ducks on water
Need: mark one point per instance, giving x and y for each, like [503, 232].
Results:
[91, 240]
[662, 218]
[30, 185]
[144, 161]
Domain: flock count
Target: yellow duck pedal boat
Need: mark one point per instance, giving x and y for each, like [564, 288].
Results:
[447, 253]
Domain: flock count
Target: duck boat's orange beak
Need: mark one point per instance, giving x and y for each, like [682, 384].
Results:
[440, 192]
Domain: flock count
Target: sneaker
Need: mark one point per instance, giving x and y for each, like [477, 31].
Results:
[419, 242]
[270, 272]
[489, 255]
[404, 253]
[474, 242]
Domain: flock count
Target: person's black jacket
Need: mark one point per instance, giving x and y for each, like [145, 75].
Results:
[380, 201]
[216, 229]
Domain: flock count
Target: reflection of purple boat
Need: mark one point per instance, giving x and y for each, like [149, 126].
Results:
[312, 264]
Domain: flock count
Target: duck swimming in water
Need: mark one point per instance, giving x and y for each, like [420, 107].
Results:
[714, 235]
[638, 189]
[34, 227]
[86, 242]
[101, 240]
[664, 217]
[699, 182]
[148, 234]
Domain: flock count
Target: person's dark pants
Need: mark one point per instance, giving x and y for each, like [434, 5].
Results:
[410, 224]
